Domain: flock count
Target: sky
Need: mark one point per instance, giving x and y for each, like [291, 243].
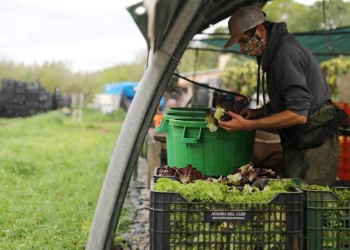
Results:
[89, 35]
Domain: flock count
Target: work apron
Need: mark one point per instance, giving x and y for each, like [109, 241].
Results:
[315, 165]
[318, 164]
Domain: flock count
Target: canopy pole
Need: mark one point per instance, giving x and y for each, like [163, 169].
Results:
[139, 117]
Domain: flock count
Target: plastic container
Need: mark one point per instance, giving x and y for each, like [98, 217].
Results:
[157, 119]
[345, 106]
[327, 221]
[213, 153]
[344, 155]
[178, 224]
[168, 129]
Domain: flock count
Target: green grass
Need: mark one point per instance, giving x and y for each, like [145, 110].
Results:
[51, 172]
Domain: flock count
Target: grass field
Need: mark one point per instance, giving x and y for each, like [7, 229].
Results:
[51, 172]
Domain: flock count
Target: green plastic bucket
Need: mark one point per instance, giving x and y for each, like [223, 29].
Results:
[177, 113]
[168, 129]
[213, 153]
[181, 111]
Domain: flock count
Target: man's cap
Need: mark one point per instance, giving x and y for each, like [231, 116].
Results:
[245, 18]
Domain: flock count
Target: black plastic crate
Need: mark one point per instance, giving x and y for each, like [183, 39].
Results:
[32, 104]
[19, 100]
[8, 83]
[178, 224]
[7, 96]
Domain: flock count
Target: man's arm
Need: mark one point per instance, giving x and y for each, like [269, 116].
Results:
[284, 119]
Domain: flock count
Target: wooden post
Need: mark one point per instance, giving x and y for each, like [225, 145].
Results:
[77, 106]
[154, 148]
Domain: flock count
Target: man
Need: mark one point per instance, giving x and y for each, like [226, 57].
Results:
[300, 104]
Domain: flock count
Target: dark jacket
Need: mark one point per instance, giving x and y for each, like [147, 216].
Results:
[294, 78]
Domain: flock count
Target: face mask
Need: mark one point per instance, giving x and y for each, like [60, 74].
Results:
[255, 46]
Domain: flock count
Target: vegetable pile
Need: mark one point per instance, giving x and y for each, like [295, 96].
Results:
[246, 174]
[335, 212]
[185, 175]
[216, 192]
[215, 114]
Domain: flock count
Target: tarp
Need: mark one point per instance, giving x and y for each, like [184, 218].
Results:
[324, 45]
[126, 88]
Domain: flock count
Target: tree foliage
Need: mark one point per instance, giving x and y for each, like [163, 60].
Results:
[124, 72]
[240, 75]
[334, 68]
[303, 18]
[53, 74]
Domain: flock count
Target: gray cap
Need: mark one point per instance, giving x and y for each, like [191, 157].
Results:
[245, 18]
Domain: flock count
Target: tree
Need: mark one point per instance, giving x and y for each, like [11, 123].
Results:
[240, 75]
[334, 68]
[328, 15]
[312, 16]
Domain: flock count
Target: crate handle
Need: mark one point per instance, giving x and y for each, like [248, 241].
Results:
[191, 140]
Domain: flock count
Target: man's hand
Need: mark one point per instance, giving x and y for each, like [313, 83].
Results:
[237, 123]
[250, 113]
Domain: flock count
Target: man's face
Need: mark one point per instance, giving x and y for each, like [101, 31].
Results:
[253, 44]
[244, 42]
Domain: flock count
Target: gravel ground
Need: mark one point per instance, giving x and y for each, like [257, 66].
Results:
[137, 237]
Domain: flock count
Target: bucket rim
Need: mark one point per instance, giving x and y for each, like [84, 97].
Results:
[168, 117]
[188, 122]
[181, 109]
